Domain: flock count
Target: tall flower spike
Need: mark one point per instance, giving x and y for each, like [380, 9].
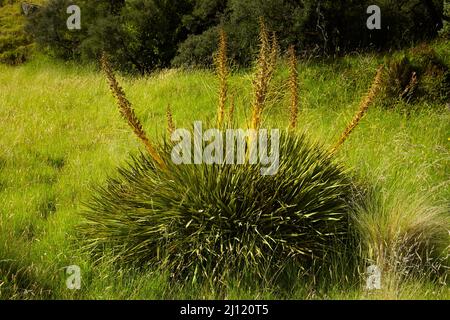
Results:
[274, 52]
[222, 73]
[364, 106]
[127, 111]
[231, 112]
[170, 124]
[293, 87]
[264, 73]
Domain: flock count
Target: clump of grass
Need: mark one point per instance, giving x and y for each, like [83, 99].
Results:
[399, 81]
[364, 106]
[433, 74]
[210, 221]
[405, 236]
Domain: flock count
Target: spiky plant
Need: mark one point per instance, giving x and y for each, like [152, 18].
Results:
[213, 221]
[209, 221]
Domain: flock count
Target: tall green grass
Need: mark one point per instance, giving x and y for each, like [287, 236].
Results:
[60, 134]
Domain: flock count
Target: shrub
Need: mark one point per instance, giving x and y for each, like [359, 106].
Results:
[434, 74]
[15, 44]
[138, 35]
[197, 50]
[206, 220]
[324, 27]
[445, 32]
[418, 75]
[398, 81]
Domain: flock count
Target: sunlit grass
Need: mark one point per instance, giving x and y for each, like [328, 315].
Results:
[60, 133]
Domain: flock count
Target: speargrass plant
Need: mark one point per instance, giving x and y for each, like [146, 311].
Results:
[211, 221]
[214, 221]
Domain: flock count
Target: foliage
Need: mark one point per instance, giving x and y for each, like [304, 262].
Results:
[316, 27]
[138, 35]
[207, 220]
[15, 44]
[417, 75]
[445, 32]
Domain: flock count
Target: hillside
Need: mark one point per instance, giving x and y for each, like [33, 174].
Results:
[61, 134]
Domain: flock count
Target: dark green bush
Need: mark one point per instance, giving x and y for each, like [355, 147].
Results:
[141, 35]
[445, 32]
[319, 27]
[434, 74]
[210, 221]
[138, 35]
[418, 75]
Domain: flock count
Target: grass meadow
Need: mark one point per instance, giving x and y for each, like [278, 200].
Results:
[61, 134]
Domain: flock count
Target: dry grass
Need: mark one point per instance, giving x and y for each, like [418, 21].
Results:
[405, 236]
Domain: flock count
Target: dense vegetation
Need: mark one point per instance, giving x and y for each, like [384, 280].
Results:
[55, 143]
[358, 185]
[141, 35]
